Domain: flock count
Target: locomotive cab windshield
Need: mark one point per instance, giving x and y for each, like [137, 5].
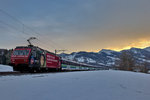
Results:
[19, 52]
[20, 56]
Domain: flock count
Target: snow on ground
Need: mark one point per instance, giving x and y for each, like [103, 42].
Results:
[5, 68]
[87, 85]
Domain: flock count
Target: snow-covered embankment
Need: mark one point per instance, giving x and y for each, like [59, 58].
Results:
[5, 68]
[88, 85]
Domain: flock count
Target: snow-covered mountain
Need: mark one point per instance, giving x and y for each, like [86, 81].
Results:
[102, 58]
[107, 57]
[147, 48]
[141, 55]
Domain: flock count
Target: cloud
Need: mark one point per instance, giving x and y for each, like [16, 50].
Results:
[88, 25]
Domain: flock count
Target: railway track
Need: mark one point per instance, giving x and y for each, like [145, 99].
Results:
[27, 73]
[9, 73]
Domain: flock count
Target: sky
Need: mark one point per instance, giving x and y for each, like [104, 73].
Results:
[75, 25]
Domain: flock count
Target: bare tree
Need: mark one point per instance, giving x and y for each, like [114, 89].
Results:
[127, 61]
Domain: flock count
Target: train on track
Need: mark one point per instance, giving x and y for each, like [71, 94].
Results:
[34, 59]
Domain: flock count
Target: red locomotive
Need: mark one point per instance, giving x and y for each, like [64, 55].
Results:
[34, 59]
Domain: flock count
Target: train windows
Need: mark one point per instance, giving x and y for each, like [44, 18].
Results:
[21, 52]
[38, 54]
[33, 54]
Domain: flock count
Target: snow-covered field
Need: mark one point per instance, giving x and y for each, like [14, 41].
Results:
[5, 68]
[88, 85]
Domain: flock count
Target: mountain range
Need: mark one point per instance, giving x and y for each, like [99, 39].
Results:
[107, 57]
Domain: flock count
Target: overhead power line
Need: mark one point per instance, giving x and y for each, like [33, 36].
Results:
[14, 28]
[11, 26]
[27, 27]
